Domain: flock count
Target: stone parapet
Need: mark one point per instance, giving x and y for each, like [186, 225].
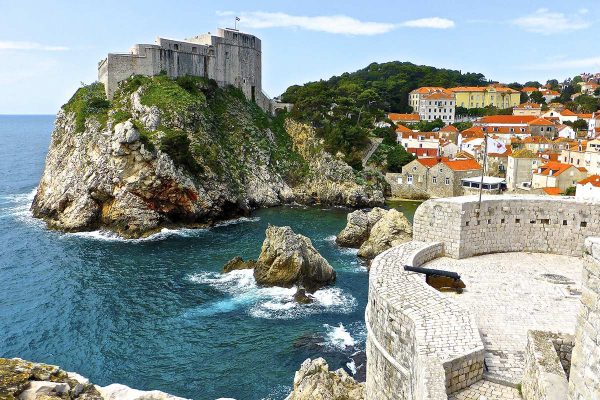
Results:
[507, 223]
[420, 343]
[544, 377]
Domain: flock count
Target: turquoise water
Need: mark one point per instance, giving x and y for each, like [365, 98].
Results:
[157, 313]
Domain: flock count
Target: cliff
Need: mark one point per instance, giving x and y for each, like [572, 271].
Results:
[180, 152]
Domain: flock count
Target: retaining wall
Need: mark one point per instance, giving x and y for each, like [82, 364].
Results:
[507, 223]
[420, 344]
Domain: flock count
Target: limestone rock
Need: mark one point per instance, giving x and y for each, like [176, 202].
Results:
[314, 381]
[358, 227]
[302, 297]
[238, 263]
[288, 259]
[122, 392]
[24, 380]
[391, 230]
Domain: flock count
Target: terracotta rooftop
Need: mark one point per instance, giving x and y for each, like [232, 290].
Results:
[541, 121]
[402, 128]
[594, 180]
[506, 119]
[462, 165]
[528, 105]
[554, 168]
[449, 128]
[552, 191]
[523, 153]
[404, 117]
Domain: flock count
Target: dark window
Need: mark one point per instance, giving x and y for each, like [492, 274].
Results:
[583, 224]
[564, 222]
[517, 221]
[176, 46]
[253, 93]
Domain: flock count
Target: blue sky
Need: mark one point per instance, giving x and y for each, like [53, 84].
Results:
[47, 48]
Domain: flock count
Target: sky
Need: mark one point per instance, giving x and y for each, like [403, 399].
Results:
[49, 48]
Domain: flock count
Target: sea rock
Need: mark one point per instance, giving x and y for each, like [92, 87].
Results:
[358, 227]
[24, 380]
[237, 263]
[288, 259]
[391, 230]
[314, 381]
[302, 297]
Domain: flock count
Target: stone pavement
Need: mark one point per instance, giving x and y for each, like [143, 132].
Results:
[486, 390]
[512, 293]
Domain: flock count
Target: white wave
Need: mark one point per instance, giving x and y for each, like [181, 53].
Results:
[237, 221]
[109, 236]
[338, 337]
[352, 367]
[266, 302]
[330, 238]
[20, 197]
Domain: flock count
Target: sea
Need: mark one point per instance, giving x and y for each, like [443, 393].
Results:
[157, 313]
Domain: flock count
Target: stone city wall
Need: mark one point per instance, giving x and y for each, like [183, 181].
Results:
[584, 382]
[420, 345]
[507, 223]
[545, 377]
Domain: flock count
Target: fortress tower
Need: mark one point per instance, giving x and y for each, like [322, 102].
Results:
[229, 57]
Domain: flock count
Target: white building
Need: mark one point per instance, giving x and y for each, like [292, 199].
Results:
[588, 189]
[433, 103]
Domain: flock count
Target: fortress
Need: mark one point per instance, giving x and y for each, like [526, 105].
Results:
[229, 57]
[528, 319]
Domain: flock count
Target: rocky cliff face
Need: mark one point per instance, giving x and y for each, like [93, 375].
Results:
[25, 380]
[314, 381]
[184, 152]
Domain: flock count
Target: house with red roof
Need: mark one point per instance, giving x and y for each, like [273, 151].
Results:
[528, 108]
[404, 118]
[557, 175]
[432, 177]
[588, 189]
[433, 103]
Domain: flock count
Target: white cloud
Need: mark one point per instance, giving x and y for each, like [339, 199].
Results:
[546, 22]
[588, 63]
[433, 23]
[337, 24]
[12, 45]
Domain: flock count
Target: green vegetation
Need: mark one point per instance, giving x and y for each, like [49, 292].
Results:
[482, 112]
[397, 158]
[87, 102]
[570, 191]
[578, 125]
[343, 108]
[461, 126]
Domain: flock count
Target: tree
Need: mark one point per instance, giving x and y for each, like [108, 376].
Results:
[578, 125]
[597, 91]
[524, 98]
[537, 97]
[587, 104]
[534, 84]
[552, 84]
[461, 126]
[397, 158]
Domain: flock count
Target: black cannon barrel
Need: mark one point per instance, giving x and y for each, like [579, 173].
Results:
[429, 271]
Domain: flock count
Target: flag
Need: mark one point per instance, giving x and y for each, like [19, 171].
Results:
[237, 18]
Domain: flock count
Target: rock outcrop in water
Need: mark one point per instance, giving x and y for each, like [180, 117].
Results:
[287, 259]
[169, 152]
[358, 227]
[25, 380]
[391, 230]
[374, 231]
[314, 381]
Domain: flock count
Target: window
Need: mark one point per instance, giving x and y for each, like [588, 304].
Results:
[447, 181]
[176, 46]
[434, 179]
[409, 179]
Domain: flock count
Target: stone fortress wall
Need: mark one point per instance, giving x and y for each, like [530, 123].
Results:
[229, 57]
[421, 345]
[542, 224]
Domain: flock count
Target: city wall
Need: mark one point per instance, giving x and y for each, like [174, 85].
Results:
[506, 223]
[420, 344]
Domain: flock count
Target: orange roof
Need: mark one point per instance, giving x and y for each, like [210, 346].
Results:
[404, 117]
[567, 113]
[462, 165]
[506, 119]
[402, 128]
[537, 139]
[449, 128]
[431, 161]
[552, 191]
[586, 116]
[547, 92]
[430, 89]
[439, 95]
[498, 88]
[508, 129]
[594, 180]
[554, 168]
[529, 89]
[541, 121]
[528, 105]
[463, 155]
[415, 135]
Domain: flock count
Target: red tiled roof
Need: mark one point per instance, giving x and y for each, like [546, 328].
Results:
[431, 161]
[584, 116]
[528, 105]
[404, 117]
[540, 121]
[552, 191]
[594, 180]
[498, 88]
[449, 128]
[426, 135]
[462, 165]
[529, 89]
[567, 113]
[402, 128]
[506, 119]
[430, 89]
[438, 95]
[556, 168]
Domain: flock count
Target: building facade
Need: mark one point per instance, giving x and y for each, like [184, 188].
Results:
[229, 57]
[433, 103]
[557, 175]
[492, 95]
[519, 169]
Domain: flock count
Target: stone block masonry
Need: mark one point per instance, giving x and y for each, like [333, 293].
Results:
[420, 344]
[543, 224]
[584, 381]
[230, 58]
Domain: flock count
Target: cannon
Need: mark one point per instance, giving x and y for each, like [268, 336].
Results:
[440, 279]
